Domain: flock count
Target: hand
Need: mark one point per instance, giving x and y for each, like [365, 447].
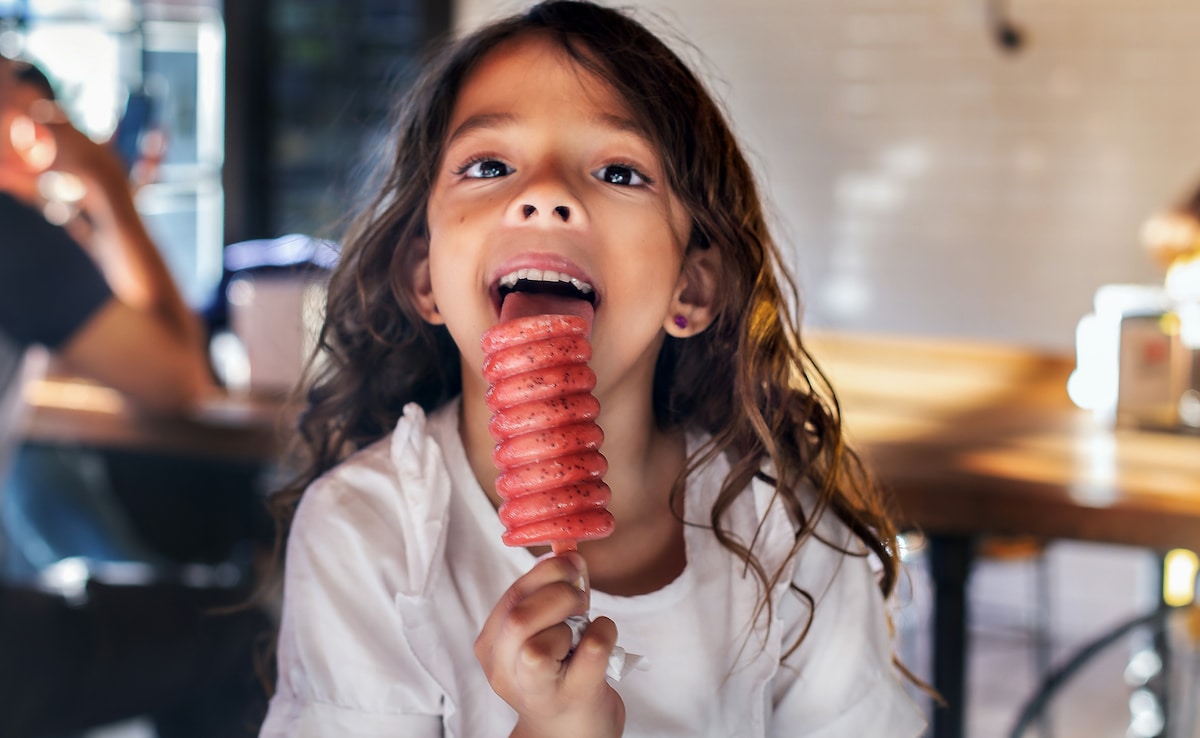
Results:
[27, 147]
[525, 651]
[65, 148]
[41, 138]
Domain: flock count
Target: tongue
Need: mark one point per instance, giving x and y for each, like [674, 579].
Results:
[524, 304]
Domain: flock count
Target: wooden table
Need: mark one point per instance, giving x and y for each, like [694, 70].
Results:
[191, 486]
[978, 440]
[72, 411]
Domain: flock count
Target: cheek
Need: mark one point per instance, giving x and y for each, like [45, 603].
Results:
[435, 216]
[649, 273]
[456, 217]
[445, 272]
[650, 257]
[680, 221]
[442, 207]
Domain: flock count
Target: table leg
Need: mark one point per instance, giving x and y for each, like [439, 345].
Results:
[1159, 685]
[950, 559]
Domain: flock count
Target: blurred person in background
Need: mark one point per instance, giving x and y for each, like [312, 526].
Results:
[106, 307]
[57, 503]
[147, 343]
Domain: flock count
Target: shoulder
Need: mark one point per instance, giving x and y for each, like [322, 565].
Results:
[840, 677]
[761, 519]
[823, 574]
[349, 660]
[832, 554]
[382, 509]
[832, 586]
[828, 565]
[827, 644]
[363, 480]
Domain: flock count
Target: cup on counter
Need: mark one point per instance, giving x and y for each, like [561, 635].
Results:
[1138, 359]
[274, 321]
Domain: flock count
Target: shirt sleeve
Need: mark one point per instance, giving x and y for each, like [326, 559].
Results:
[48, 286]
[840, 681]
[346, 667]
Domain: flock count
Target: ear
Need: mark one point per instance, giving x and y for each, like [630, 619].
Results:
[421, 283]
[693, 306]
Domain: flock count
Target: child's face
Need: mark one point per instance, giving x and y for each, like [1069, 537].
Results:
[545, 169]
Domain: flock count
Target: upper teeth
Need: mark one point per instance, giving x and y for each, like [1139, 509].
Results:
[543, 275]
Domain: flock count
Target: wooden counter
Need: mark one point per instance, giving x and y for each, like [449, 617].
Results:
[71, 411]
[977, 440]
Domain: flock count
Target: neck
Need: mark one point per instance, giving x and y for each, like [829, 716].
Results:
[645, 551]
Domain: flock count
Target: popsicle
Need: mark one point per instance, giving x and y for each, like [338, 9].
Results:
[544, 423]
[547, 441]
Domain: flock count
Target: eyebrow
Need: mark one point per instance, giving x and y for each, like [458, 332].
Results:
[621, 123]
[483, 120]
[497, 120]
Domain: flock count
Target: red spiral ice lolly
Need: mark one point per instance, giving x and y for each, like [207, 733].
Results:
[544, 423]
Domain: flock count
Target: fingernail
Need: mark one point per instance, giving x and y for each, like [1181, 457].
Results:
[580, 566]
[577, 561]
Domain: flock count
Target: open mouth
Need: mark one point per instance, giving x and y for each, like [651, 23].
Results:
[547, 284]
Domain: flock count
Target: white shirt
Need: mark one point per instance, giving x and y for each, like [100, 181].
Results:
[394, 562]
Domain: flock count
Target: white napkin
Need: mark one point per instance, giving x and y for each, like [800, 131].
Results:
[620, 663]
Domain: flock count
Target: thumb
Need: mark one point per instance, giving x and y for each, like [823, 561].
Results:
[590, 659]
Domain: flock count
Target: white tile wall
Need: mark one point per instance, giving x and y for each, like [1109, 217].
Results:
[925, 182]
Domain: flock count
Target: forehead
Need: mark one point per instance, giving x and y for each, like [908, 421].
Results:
[534, 74]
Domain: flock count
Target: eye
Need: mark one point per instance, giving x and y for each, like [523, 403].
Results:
[485, 169]
[621, 174]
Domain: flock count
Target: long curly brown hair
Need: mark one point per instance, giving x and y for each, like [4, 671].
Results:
[747, 381]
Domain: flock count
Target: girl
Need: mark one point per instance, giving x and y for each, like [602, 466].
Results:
[570, 139]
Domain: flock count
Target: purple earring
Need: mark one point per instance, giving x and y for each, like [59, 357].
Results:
[681, 322]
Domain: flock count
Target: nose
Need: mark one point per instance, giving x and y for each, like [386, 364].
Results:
[546, 201]
[561, 211]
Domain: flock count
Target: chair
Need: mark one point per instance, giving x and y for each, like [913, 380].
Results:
[1030, 553]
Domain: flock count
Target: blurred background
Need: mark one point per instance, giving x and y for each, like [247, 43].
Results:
[926, 175]
[929, 176]
[974, 170]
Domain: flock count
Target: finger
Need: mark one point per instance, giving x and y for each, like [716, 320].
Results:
[33, 143]
[589, 662]
[542, 659]
[517, 650]
[501, 647]
[543, 608]
[582, 581]
[47, 112]
[568, 568]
